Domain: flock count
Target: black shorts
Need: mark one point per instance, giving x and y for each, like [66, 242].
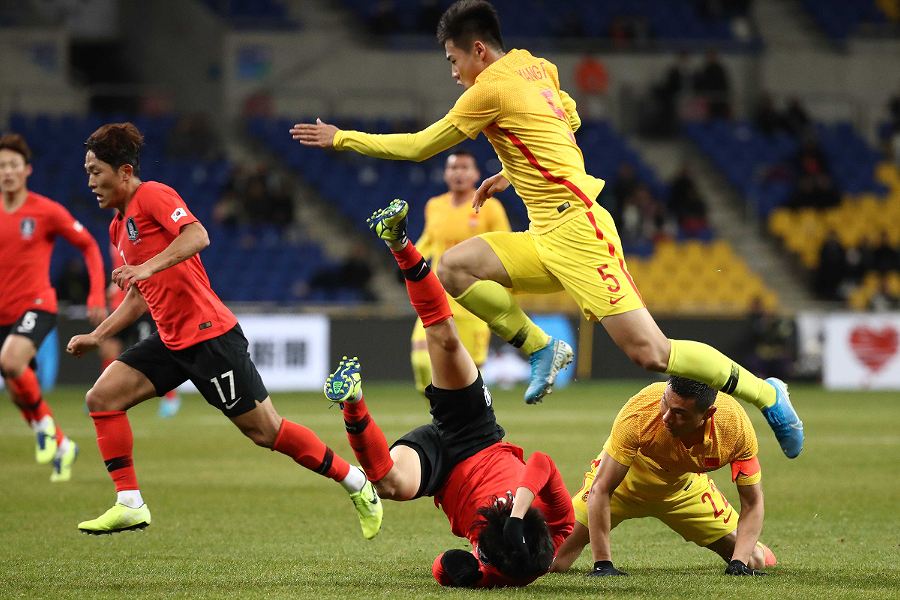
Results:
[138, 331]
[220, 368]
[33, 324]
[463, 424]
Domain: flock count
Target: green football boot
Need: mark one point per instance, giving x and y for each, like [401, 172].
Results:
[62, 462]
[118, 518]
[369, 510]
[389, 223]
[345, 384]
[45, 443]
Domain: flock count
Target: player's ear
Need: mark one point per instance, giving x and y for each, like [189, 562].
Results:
[126, 172]
[709, 412]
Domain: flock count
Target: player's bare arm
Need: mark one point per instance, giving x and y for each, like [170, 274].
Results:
[192, 239]
[318, 135]
[610, 474]
[490, 186]
[750, 521]
[131, 308]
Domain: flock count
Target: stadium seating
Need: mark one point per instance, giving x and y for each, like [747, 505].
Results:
[839, 19]
[253, 14]
[661, 19]
[245, 263]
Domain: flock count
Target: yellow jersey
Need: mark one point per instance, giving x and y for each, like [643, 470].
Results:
[447, 225]
[729, 439]
[516, 102]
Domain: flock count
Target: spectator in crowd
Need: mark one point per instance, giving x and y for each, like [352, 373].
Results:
[686, 205]
[193, 137]
[832, 269]
[713, 86]
[796, 119]
[353, 273]
[894, 127]
[591, 81]
[772, 342]
[884, 299]
[885, 256]
[815, 187]
[624, 185]
[628, 31]
[766, 116]
[663, 118]
[256, 196]
[644, 219]
[383, 20]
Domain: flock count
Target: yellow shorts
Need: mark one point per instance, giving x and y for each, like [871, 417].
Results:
[473, 332]
[583, 256]
[694, 507]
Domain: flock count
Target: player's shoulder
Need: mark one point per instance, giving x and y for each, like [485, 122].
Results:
[156, 188]
[730, 417]
[39, 202]
[437, 201]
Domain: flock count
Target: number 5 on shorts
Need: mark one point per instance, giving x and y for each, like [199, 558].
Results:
[215, 381]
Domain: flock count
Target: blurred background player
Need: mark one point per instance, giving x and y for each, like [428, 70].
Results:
[449, 220]
[29, 226]
[144, 327]
[514, 513]
[572, 243]
[198, 337]
[654, 464]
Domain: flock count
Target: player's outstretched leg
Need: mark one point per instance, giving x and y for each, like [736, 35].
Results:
[546, 364]
[26, 393]
[344, 387]
[783, 419]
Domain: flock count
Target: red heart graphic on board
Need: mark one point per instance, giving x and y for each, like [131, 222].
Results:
[873, 347]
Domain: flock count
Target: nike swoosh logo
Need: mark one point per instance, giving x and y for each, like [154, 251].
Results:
[615, 300]
[374, 499]
[230, 406]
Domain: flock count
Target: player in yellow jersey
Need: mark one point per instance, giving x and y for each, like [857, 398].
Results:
[654, 464]
[514, 99]
[449, 220]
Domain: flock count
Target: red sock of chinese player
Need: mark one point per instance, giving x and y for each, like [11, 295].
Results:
[426, 294]
[115, 441]
[26, 393]
[367, 440]
[307, 450]
[706, 364]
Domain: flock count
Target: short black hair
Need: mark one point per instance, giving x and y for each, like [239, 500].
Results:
[463, 153]
[16, 143]
[497, 552]
[117, 144]
[703, 395]
[469, 20]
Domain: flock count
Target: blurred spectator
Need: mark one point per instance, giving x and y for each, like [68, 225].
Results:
[628, 31]
[772, 342]
[353, 273]
[662, 118]
[832, 269]
[686, 204]
[591, 81]
[815, 188]
[384, 18]
[894, 128]
[193, 137]
[73, 283]
[885, 256]
[884, 299]
[430, 12]
[624, 185]
[255, 196]
[766, 117]
[712, 84]
[644, 218]
[796, 119]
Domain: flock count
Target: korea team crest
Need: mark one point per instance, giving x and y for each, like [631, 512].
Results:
[132, 229]
[27, 227]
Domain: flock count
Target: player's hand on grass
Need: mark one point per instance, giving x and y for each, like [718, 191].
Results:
[737, 567]
[318, 135]
[96, 314]
[80, 344]
[605, 568]
[126, 275]
[490, 186]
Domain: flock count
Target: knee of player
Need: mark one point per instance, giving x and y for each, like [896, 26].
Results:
[260, 437]
[10, 367]
[97, 400]
[450, 273]
[648, 355]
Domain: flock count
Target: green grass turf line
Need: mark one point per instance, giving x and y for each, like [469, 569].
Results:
[233, 520]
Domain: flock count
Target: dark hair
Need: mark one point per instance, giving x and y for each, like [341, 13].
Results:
[469, 20]
[464, 153]
[16, 143]
[117, 144]
[703, 395]
[494, 550]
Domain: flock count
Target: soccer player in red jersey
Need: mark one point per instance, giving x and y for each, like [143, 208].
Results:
[198, 337]
[515, 513]
[112, 347]
[29, 225]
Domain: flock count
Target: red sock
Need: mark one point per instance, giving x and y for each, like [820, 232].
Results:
[426, 294]
[367, 440]
[115, 441]
[27, 395]
[307, 450]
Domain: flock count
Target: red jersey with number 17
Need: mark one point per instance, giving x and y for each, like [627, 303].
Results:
[181, 301]
[26, 244]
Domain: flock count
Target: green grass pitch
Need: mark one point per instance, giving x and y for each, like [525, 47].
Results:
[234, 520]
